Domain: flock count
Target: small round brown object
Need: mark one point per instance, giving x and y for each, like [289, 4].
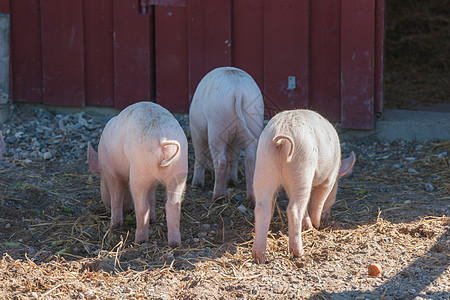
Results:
[374, 270]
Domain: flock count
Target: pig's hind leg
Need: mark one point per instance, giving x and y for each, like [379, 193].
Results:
[218, 148]
[318, 199]
[143, 192]
[250, 158]
[329, 203]
[266, 183]
[114, 194]
[174, 195]
[201, 151]
[233, 151]
[264, 192]
[299, 192]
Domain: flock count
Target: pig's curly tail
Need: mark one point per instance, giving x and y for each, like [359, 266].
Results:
[279, 139]
[167, 161]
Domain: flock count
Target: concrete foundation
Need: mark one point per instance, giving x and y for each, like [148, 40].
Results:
[427, 124]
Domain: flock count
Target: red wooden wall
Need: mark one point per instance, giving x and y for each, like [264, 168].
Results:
[117, 52]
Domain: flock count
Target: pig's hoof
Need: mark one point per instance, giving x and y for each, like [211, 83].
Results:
[296, 252]
[141, 237]
[251, 201]
[325, 216]
[140, 240]
[232, 183]
[115, 226]
[174, 244]
[217, 195]
[197, 185]
[306, 223]
[259, 256]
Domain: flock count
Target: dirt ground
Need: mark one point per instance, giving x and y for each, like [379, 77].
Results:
[55, 241]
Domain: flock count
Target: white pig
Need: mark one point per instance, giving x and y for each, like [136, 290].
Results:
[226, 115]
[139, 149]
[2, 144]
[300, 151]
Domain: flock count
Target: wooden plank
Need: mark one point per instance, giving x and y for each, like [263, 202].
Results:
[99, 52]
[180, 3]
[4, 7]
[171, 51]
[286, 28]
[132, 54]
[325, 60]
[62, 52]
[380, 32]
[357, 63]
[209, 31]
[26, 58]
[248, 38]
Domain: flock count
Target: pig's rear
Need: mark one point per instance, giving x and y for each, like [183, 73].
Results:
[316, 143]
[226, 115]
[139, 149]
[136, 136]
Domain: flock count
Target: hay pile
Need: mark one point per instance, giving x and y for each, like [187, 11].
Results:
[417, 53]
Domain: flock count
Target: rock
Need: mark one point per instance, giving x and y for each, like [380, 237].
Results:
[411, 170]
[429, 187]
[88, 293]
[48, 155]
[242, 208]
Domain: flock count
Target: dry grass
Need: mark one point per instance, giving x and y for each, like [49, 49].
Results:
[417, 56]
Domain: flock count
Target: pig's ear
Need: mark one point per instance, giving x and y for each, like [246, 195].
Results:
[347, 165]
[167, 161]
[93, 159]
[2, 144]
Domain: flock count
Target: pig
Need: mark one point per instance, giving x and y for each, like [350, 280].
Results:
[299, 150]
[226, 115]
[140, 148]
[2, 144]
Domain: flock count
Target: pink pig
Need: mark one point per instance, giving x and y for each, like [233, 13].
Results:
[139, 149]
[226, 115]
[300, 151]
[2, 144]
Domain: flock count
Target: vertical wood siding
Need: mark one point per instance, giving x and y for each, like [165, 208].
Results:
[115, 52]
